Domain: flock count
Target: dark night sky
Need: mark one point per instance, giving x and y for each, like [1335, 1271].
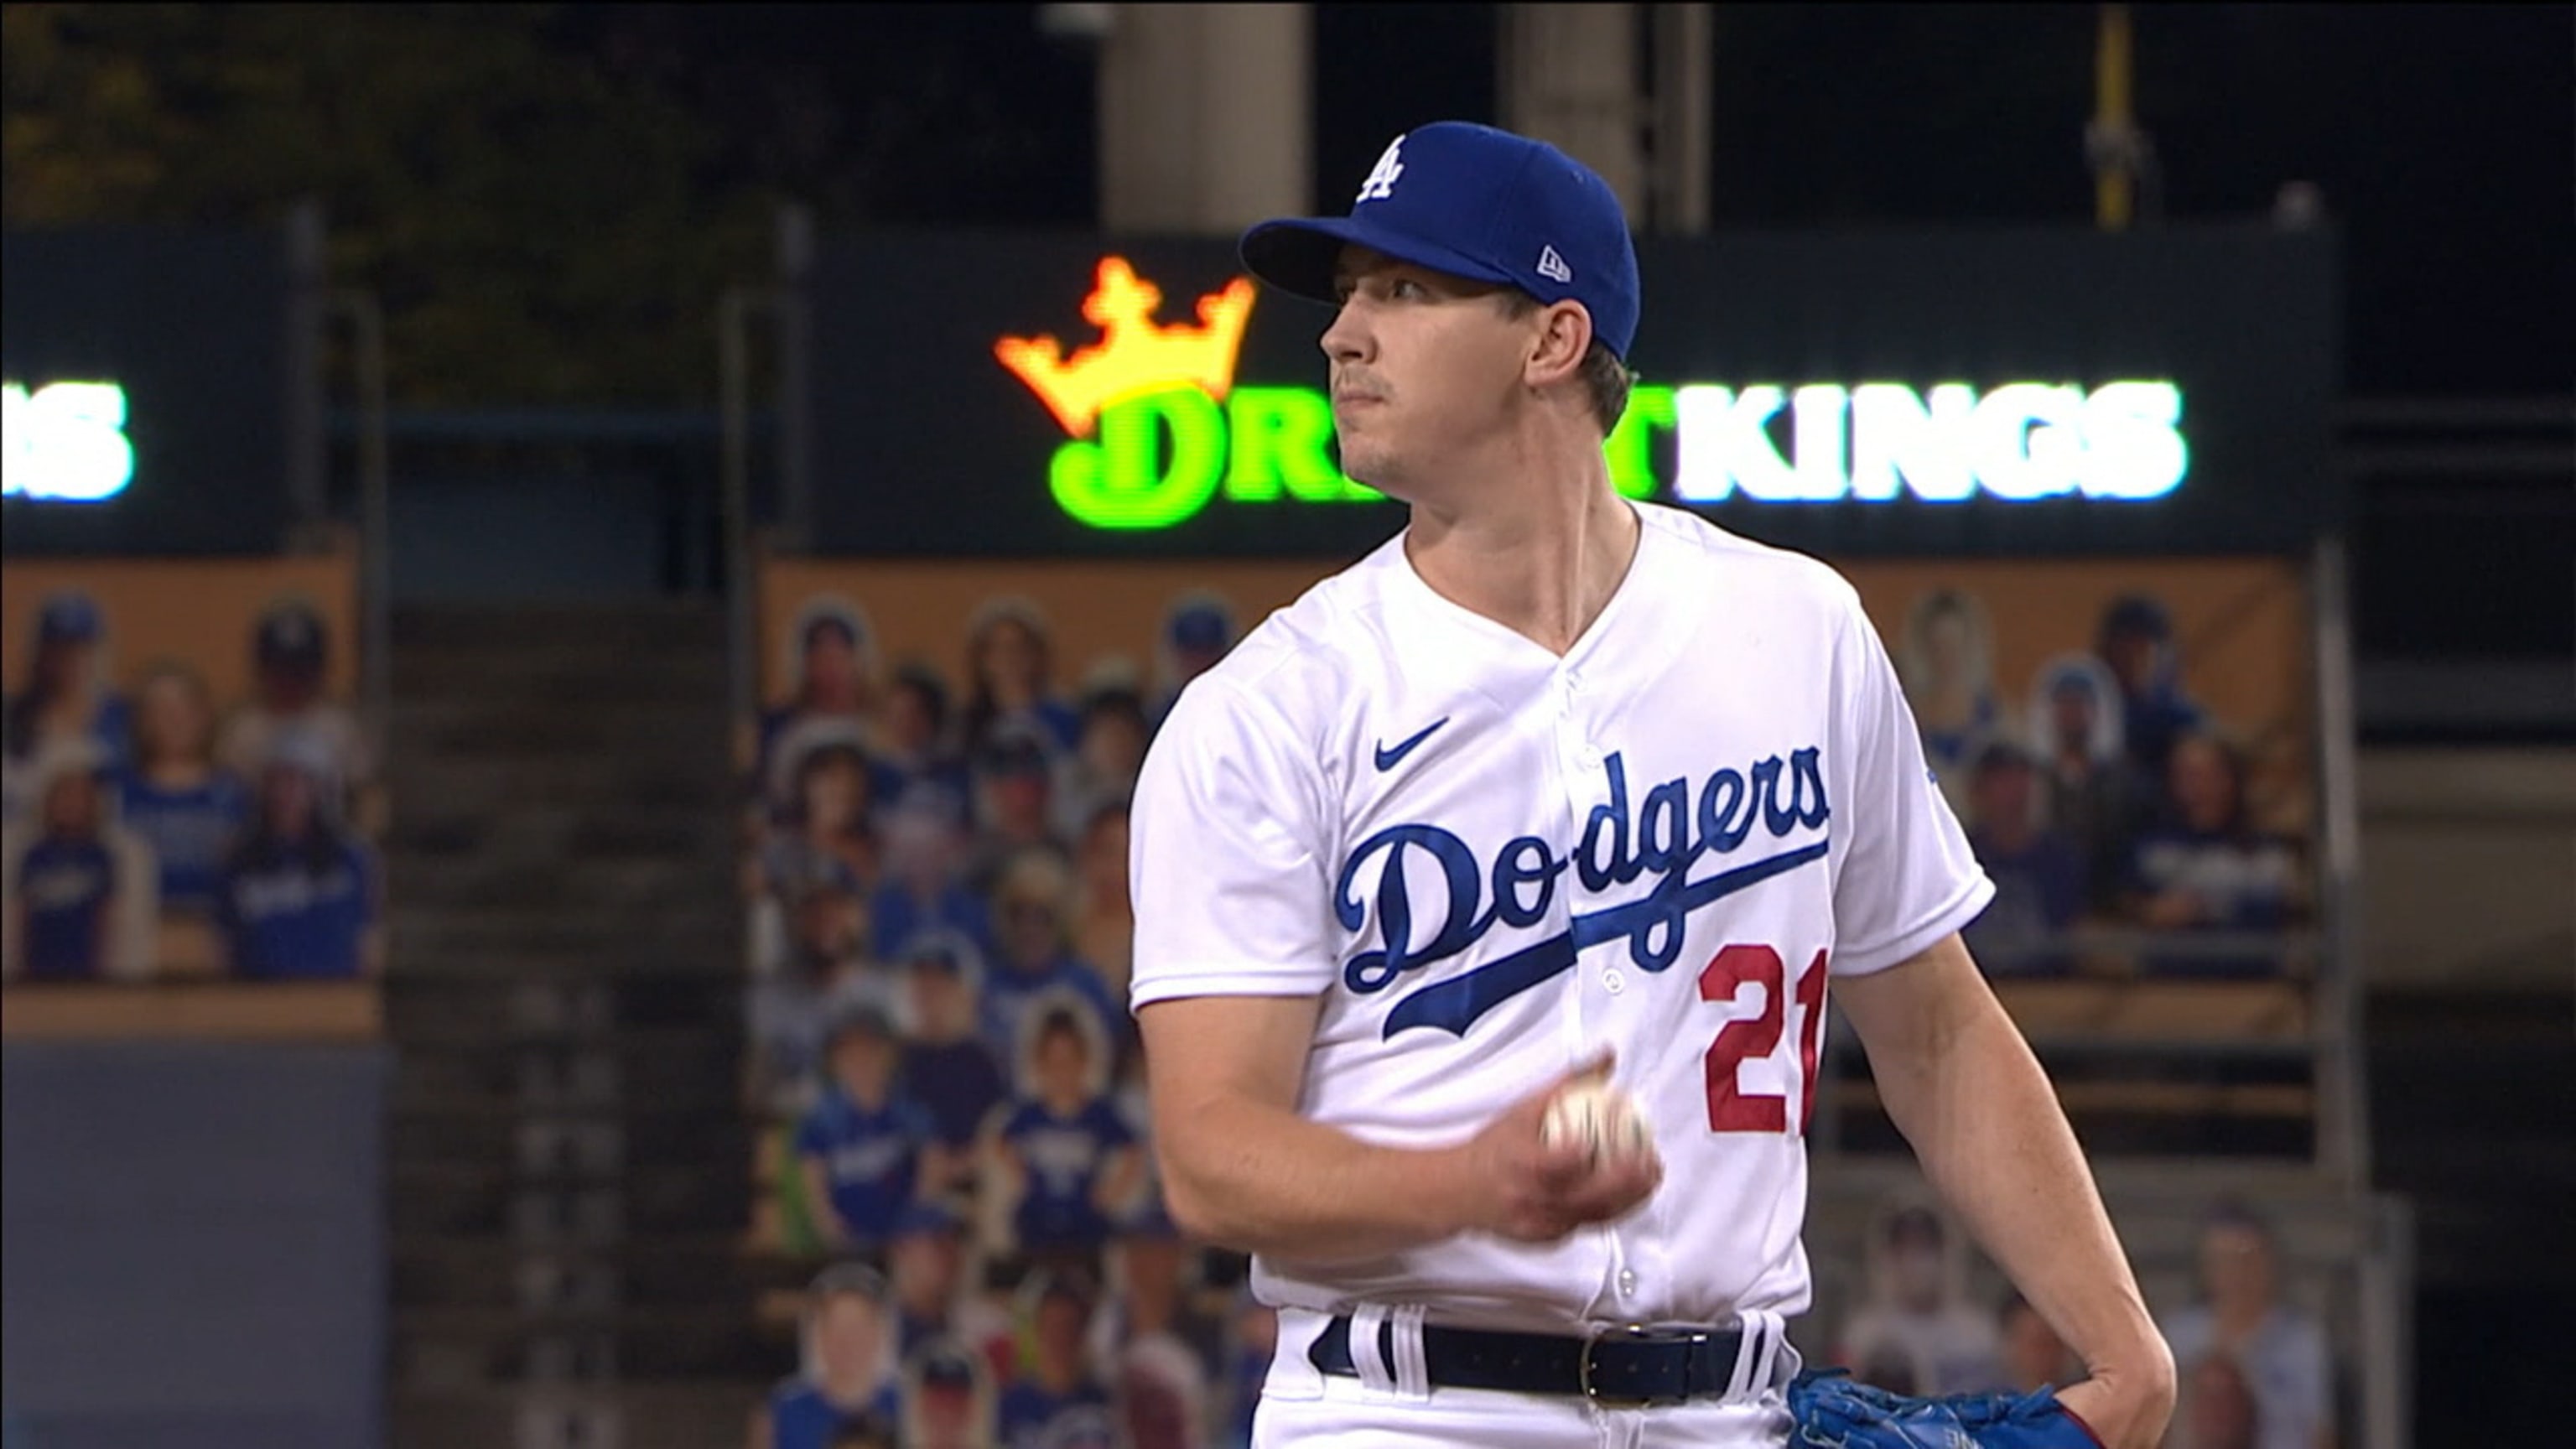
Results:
[2444, 137]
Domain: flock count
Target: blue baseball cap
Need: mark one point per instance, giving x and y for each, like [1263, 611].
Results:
[2137, 614]
[1202, 626]
[291, 636]
[945, 1366]
[1474, 202]
[70, 617]
[853, 1279]
[861, 1019]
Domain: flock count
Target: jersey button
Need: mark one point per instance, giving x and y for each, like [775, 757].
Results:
[1613, 980]
[1627, 1282]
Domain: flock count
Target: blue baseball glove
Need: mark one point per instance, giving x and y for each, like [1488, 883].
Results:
[1832, 1412]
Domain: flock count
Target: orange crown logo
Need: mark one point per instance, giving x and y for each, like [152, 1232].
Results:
[1134, 354]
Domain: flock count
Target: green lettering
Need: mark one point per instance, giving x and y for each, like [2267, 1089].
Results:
[1283, 443]
[1123, 481]
[1630, 449]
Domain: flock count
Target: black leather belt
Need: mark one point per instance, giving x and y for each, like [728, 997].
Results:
[1629, 1367]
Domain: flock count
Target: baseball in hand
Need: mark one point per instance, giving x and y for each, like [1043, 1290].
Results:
[1606, 1121]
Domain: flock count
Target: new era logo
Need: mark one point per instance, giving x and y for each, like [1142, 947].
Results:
[1381, 179]
[1553, 267]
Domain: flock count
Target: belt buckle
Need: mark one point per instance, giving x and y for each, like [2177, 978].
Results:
[1633, 1332]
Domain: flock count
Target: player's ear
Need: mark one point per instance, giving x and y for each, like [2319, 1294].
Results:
[1557, 347]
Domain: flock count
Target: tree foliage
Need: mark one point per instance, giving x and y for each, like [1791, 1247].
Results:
[953, 114]
[539, 228]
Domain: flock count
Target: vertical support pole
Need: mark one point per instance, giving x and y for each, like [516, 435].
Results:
[1683, 41]
[2115, 121]
[2343, 1123]
[307, 444]
[796, 378]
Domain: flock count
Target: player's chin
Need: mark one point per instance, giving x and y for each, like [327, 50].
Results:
[1372, 463]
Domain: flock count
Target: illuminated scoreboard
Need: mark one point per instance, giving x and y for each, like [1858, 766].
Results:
[2008, 392]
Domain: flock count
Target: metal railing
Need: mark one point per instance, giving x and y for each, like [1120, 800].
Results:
[736, 314]
[363, 316]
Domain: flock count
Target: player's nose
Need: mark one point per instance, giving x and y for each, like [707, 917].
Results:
[1349, 338]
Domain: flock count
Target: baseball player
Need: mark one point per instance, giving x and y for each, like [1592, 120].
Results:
[1551, 794]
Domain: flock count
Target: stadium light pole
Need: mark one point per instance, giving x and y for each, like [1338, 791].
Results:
[2112, 140]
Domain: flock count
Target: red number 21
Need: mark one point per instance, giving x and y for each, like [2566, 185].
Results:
[1730, 1108]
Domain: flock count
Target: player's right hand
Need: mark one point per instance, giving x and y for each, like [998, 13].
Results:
[1518, 1187]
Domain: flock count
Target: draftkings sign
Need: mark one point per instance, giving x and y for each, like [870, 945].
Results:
[2005, 392]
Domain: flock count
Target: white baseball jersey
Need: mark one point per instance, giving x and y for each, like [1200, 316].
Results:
[1490, 861]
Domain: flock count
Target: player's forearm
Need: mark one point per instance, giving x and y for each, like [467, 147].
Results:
[1261, 1179]
[1987, 1127]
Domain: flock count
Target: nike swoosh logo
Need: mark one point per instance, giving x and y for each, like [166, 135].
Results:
[1453, 1005]
[1390, 756]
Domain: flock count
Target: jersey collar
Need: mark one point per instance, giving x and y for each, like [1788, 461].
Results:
[1419, 601]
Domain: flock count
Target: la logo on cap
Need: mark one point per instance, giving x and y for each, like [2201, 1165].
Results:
[1381, 178]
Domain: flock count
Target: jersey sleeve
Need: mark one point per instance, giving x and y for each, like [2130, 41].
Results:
[1226, 854]
[1017, 1121]
[1907, 877]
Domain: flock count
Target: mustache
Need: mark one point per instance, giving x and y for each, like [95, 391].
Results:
[1355, 384]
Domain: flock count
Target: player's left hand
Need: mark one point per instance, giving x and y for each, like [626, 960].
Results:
[2121, 1413]
[1830, 1411]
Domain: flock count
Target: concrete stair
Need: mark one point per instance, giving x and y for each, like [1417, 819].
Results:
[568, 1185]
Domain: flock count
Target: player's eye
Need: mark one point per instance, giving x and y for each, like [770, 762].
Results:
[1406, 287]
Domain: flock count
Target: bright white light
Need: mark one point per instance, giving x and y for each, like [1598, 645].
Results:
[1895, 435]
[2028, 440]
[1816, 438]
[2133, 445]
[2022, 441]
[1711, 427]
[64, 442]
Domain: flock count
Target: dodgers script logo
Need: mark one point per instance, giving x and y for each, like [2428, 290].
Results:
[1666, 836]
